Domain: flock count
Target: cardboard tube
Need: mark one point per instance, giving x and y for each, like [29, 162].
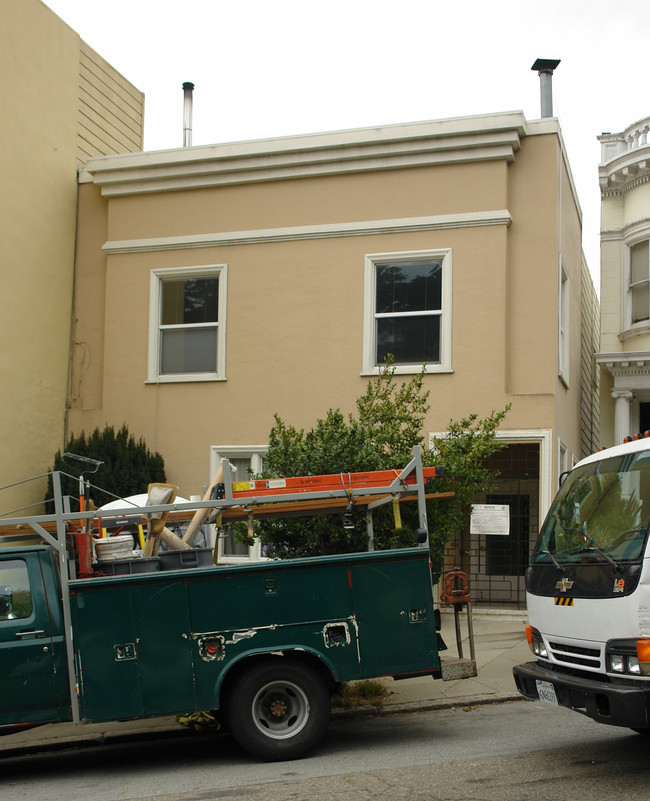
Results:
[173, 541]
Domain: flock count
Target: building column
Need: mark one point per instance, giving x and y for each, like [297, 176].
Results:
[622, 398]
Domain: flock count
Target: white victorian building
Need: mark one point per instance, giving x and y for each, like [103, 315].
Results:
[624, 355]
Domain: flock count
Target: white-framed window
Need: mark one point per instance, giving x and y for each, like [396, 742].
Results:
[248, 461]
[563, 324]
[187, 324]
[407, 311]
[639, 282]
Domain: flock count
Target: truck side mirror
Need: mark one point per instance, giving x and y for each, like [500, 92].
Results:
[421, 536]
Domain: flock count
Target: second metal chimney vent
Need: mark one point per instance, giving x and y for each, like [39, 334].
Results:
[545, 68]
[188, 88]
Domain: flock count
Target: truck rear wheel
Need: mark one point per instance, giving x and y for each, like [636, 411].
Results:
[279, 709]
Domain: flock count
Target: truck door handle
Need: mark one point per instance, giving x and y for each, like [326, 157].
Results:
[31, 633]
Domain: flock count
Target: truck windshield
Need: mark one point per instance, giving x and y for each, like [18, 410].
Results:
[601, 513]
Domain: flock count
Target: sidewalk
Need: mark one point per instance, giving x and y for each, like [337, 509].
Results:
[500, 643]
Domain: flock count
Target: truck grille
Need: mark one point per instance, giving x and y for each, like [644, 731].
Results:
[570, 654]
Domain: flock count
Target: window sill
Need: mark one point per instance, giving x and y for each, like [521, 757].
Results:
[408, 369]
[179, 379]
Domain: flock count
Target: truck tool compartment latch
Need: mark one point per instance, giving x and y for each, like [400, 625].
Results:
[32, 633]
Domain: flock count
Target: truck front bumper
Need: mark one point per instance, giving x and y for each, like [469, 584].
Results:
[616, 703]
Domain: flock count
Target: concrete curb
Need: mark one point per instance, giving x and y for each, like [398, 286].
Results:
[175, 730]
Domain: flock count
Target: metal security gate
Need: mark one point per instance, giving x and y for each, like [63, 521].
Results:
[496, 564]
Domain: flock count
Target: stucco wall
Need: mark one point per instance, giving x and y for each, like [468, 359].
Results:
[295, 308]
[40, 80]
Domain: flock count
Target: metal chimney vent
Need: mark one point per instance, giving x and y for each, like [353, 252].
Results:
[188, 88]
[545, 68]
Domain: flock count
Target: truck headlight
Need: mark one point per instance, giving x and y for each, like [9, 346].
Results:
[616, 663]
[539, 649]
[628, 657]
[536, 642]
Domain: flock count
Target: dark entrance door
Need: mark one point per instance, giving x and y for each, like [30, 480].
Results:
[496, 564]
[508, 555]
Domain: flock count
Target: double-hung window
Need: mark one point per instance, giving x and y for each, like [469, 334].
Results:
[408, 311]
[187, 327]
[639, 285]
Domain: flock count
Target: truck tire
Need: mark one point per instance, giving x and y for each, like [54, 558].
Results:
[279, 709]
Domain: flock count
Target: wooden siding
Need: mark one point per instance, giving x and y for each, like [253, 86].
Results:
[111, 110]
[590, 384]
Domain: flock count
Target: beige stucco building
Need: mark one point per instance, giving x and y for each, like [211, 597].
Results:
[625, 279]
[218, 285]
[62, 104]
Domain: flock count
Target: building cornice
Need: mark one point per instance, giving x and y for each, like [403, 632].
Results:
[327, 231]
[452, 141]
[628, 175]
[633, 363]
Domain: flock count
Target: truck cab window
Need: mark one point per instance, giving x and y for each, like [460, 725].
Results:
[15, 593]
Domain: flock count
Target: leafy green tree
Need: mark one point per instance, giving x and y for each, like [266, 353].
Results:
[388, 424]
[128, 465]
[335, 444]
[392, 416]
[381, 436]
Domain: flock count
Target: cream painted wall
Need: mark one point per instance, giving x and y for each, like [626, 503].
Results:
[87, 346]
[568, 395]
[610, 296]
[637, 203]
[284, 354]
[39, 69]
[367, 196]
[612, 213]
[40, 86]
[295, 309]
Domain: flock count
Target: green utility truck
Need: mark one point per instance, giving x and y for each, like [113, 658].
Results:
[262, 645]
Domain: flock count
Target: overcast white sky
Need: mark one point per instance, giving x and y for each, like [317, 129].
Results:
[266, 69]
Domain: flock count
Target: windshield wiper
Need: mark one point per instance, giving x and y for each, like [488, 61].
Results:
[593, 546]
[558, 564]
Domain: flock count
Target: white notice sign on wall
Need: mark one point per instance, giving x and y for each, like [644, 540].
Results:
[490, 518]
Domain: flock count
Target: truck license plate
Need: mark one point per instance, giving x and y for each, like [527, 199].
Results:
[546, 692]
